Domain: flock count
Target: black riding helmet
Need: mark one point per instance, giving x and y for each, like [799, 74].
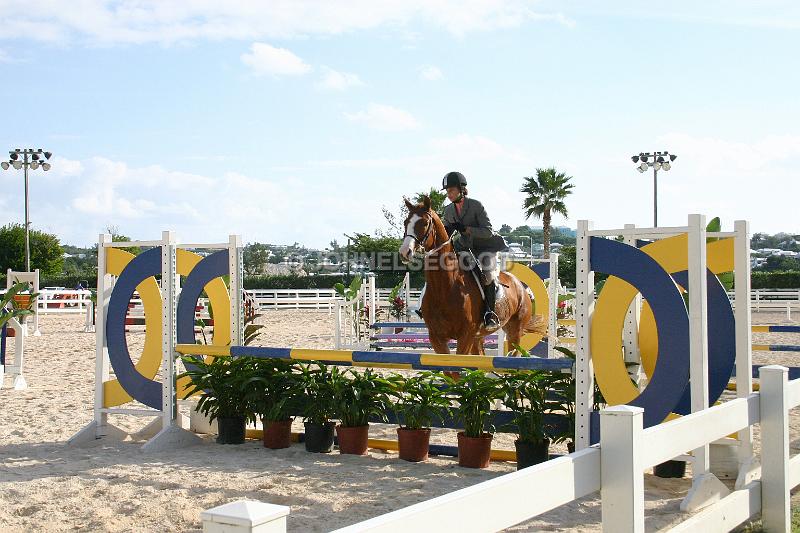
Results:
[454, 179]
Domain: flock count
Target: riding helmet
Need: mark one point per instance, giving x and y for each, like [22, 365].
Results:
[454, 179]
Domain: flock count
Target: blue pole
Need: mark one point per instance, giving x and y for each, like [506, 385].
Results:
[3, 335]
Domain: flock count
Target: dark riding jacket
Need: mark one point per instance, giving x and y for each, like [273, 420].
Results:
[473, 215]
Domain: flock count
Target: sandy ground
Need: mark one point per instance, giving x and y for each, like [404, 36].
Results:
[46, 485]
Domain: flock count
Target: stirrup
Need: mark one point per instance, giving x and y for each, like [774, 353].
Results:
[418, 312]
[490, 319]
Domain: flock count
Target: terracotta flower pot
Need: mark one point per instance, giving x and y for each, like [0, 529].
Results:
[474, 452]
[530, 453]
[413, 444]
[277, 434]
[353, 440]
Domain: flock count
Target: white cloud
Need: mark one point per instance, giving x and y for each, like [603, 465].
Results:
[77, 199]
[334, 80]
[430, 73]
[266, 59]
[145, 21]
[384, 118]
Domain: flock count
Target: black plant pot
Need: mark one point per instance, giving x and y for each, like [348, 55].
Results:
[231, 430]
[319, 437]
[531, 453]
[670, 469]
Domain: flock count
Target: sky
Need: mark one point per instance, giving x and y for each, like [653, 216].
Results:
[297, 121]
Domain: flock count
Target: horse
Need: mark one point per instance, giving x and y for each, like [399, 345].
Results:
[452, 306]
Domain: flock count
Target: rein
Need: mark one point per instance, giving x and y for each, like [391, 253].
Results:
[421, 241]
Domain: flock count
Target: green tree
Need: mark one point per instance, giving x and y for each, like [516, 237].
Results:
[566, 266]
[546, 193]
[437, 199]
[780, 263]
[254, 257]
[46, 252]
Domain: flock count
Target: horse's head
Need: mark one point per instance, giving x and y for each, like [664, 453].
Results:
[420, 229]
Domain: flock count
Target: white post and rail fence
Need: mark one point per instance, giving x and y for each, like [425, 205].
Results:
[615, 468]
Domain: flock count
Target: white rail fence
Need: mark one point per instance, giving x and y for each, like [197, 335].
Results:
[62, 301]
[616, 468]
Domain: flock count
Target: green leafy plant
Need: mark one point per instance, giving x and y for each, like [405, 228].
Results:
[351, 293]
[276, 389]
[224, 384]
[359, 396]
[526, 395]
[420, 399]
[316, 383]
[348, 293]
[10, 306]
[474, 391]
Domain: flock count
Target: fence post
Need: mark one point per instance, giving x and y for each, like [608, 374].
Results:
[621, 470]
[775, 501]
[245, 516]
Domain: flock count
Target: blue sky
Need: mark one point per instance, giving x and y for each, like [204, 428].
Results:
[297, 121]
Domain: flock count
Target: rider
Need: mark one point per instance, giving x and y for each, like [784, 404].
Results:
[468, 218]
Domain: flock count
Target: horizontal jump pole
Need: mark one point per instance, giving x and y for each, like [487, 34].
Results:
[414, 336]
[410, 325]
[776, 348]
[775, 329]
[385, 359]
[423, 345]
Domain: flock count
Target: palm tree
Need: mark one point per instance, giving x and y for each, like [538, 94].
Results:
[546, 193]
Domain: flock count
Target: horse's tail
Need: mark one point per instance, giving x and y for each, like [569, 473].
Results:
[537, 324]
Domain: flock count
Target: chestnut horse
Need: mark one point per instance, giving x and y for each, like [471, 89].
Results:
[452, 306]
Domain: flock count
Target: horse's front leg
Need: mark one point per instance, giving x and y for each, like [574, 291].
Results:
[440, 345]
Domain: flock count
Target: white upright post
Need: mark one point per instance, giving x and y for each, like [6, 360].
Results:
[171, 435]
[584, 306]
[19, 359]
[744, 345]
[169, 301]
[235, 270]
[105, 284]
[621, 470]
[552, 289]
[99, 426]
[775, 484]
[407, 289]
[706, 488]
[337, 333]
[373, 297]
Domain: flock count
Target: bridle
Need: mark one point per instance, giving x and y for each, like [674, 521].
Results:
[421, 241]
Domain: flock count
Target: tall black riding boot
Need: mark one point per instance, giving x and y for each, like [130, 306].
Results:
[490, 318]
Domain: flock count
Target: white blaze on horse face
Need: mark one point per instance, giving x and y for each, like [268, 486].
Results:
[409, 243]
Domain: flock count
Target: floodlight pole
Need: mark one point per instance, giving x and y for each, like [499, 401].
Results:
[27, 219]
[655, 197]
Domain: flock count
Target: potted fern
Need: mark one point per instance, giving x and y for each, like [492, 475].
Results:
[474, 391]
[358, 396]
[276, 391]
[419, 399]
[315, 381]
[223, 384]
